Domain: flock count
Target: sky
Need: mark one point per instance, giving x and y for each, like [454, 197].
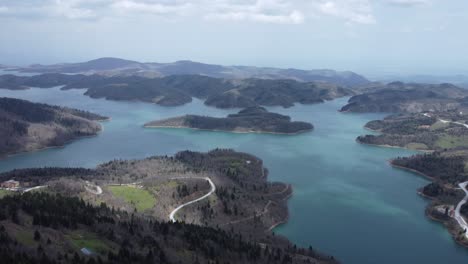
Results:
[367, 36]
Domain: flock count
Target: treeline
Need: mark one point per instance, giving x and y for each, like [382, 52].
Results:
[39, 176]
[445, 168]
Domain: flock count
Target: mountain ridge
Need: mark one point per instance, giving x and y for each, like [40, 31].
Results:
[120, 67]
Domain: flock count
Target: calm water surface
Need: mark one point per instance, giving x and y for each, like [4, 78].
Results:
[347, 200]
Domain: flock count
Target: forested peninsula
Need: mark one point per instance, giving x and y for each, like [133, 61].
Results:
[27, 126]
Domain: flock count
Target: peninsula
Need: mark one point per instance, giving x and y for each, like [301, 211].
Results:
[398, 97]
[249, 120]
[420, 131]
[27, 126]
[444, 137]
[221, 207]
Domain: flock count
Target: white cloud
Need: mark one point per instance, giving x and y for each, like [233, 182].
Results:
[408, 2]
[264, 11]
[352, 11]
[267, 11]
[150, 7]
[70, 9]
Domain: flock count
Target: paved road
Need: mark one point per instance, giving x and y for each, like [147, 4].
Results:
[213, 189]
[34, 188]
[461, 221]
[98, 190]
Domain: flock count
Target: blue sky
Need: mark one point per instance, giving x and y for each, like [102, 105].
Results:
[366, 36]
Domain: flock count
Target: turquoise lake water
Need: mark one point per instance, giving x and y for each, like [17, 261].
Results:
[347, 200]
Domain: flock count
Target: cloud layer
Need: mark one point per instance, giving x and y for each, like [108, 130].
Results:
[264, 11]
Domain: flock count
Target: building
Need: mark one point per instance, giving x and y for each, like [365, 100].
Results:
[10, 184]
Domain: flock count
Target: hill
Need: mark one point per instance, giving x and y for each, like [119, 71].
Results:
[27, 126]
[402, 97]
[428, 131]
[233, 225]
[179, 89]
[120, 67]
[253, 119]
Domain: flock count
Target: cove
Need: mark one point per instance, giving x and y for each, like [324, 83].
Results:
[347, 200]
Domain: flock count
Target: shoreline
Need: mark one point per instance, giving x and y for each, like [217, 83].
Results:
[228, 131]
[9, 155]
[411, 170]
[394, 147]
[450, 229]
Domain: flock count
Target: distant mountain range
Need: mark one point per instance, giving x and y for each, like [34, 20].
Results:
[121, 67]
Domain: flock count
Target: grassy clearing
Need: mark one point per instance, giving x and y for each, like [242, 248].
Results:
[448, 141]
[141, 199]
[25, 237]
[4, 193]
[80, 239]
[419, 146]
[439, 125]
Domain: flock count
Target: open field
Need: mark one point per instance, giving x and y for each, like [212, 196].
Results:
[140, 198]
[4, 192]
[448, 141]
[81, 239]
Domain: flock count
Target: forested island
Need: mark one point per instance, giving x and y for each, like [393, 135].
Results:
[27, 126]
[253, 119]
[119, 212]
[398, 97]
[180, 89]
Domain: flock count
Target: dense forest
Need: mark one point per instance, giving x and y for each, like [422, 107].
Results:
[442, 167]
[253, 119]
[133, 239]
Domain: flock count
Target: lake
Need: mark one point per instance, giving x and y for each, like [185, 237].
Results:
[347, 201]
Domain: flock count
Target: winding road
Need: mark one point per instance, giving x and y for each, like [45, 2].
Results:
[212, 190]
[98, 190]
[461, 221]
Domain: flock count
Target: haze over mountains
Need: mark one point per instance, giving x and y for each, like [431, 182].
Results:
[115, 66]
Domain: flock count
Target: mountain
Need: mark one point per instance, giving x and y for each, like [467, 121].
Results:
[253, 119]
[411, 97]
[179, 89]
[27, 126]
[120, 67]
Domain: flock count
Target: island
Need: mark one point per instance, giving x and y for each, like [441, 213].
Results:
[214, 207]
[27, 126]
[249, 120]
[176, 90]
[398, 97]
